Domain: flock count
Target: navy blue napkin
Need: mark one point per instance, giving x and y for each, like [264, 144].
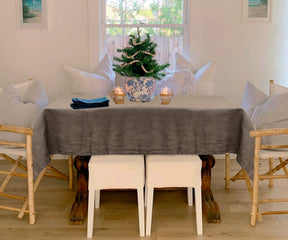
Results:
[79, 103]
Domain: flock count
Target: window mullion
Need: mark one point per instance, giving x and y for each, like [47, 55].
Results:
[185, 12]
[102, 31]
[186, 20]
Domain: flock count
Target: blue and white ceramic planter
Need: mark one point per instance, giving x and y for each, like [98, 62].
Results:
[140, 89]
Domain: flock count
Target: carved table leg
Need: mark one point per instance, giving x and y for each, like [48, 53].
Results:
[79, 207]
[209, 205]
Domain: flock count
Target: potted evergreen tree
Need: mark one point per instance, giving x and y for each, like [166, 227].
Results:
[140, 69]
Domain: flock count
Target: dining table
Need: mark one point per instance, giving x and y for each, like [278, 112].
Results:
[202, 125]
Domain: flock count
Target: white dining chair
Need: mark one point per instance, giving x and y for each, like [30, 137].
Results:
[164, 171]
[115, 172]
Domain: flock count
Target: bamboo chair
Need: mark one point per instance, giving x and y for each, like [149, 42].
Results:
[267, 152]
[21, 150]
[274, 89]
[50, 170]
[240, 175]
[55, 173]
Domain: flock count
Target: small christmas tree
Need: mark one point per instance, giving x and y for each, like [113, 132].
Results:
[138, 59]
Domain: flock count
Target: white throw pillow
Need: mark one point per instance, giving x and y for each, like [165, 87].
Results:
[9, 94]
[184, 82]
[16, 113]
[181, 82]
[182, 63]
[90, 84]
[205, 79]
[32, 92]
[105, 69]
[272, 113]
[171, 81]
[251, 98]
[22, 88]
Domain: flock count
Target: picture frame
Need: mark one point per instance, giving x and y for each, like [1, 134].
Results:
[32, 14]
[257, 11]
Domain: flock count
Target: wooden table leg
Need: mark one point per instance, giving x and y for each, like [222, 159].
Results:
[209, 205]
[79, 208]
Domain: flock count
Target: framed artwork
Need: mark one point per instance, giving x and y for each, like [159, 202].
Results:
[257, 11]
[32, 14]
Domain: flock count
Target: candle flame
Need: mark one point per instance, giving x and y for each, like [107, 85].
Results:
[165, 90]
[118, 90]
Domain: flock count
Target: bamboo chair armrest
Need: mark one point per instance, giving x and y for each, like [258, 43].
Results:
[16, 129]
[268, 132]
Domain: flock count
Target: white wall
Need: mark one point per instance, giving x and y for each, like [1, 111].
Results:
[42, 54]
[256, 52]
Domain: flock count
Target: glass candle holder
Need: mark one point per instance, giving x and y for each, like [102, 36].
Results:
[118, 95]
[166, 95]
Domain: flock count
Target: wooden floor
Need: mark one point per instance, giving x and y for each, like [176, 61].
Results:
[172, 219]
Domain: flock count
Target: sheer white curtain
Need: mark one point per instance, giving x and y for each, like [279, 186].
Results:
[166, 22]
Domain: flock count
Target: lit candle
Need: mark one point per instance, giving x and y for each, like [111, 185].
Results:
[166, 95]
[118, 95]
[165, 91]
[118, 90]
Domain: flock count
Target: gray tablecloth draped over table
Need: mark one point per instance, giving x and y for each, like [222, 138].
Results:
[189, 125]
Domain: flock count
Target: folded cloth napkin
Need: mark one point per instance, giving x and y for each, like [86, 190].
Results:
[79, 103]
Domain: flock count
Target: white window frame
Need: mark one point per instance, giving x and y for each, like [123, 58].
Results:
[103, 26]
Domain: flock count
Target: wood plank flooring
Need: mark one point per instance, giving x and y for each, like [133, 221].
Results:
[172, 219]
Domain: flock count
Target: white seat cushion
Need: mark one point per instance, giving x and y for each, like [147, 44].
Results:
[17, 151]
[116, 171]
[173, 170]
[265, 154]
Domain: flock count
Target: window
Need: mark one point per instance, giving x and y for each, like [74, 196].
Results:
[165, 20]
